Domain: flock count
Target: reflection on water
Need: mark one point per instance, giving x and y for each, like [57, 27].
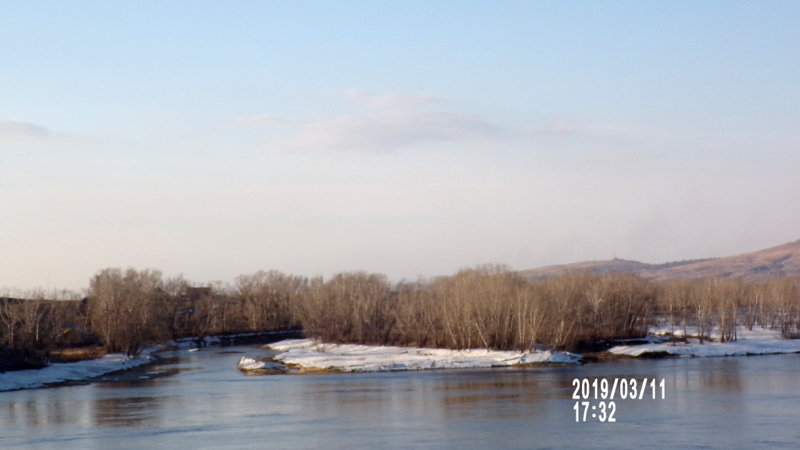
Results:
[84, 405]
[128, 411]
[200, 400]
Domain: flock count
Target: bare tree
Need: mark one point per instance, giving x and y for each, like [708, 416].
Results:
[124, 308]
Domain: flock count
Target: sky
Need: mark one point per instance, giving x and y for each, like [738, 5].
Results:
[413, 138]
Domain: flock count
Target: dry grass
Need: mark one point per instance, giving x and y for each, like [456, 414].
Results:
[66, 355]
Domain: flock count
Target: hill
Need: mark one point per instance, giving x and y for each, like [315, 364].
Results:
[780, 261]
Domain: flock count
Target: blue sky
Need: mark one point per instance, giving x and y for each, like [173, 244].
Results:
[409, 138]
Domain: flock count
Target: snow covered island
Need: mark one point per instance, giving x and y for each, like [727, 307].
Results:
[310, 355]
[759, 341]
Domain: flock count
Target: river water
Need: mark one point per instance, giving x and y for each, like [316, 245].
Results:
[199, 400]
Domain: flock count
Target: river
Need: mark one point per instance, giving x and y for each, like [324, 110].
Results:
[199, 400]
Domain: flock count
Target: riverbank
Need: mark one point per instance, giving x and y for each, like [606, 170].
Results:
[74, 371]
[307, 355]
[758, 341]
[86, 370]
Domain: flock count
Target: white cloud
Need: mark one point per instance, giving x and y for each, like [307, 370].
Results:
[387, 121]
[13, 129]
[390, 131]
[392, 100]
[266, 120]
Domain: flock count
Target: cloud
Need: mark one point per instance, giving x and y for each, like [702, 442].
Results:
[385, 121]
[13, 129]
[562, 127]
[390, 131]
[264, 120]
[566, 129]
[388, 121]
[392, 100]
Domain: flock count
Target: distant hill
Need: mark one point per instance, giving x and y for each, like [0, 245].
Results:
[783, 260]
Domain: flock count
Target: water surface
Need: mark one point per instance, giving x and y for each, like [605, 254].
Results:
[199, 400]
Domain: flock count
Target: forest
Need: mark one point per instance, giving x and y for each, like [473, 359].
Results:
[483, 307]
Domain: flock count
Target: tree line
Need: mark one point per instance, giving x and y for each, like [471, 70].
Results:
[483, 307]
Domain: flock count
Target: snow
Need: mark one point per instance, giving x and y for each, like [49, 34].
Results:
[678, 331]
[750, 342]
[251, 364]
[311, 354]
[57, 373]
[191, 343]
[84, 370]
[649, 339]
